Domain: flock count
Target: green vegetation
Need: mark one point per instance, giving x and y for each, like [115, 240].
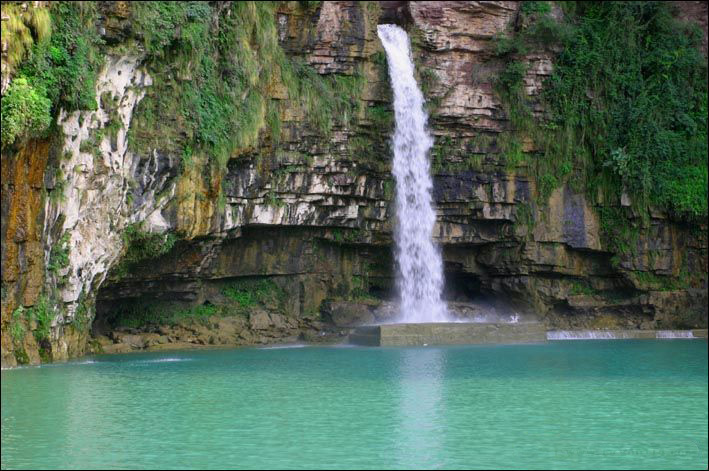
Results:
[324, 100]
[389, 187]
[428, 79]
[43, 314]
[360, 289]
[524, 214]
[109, 103]
[381, 116]
[249, 293]
[17, 331]
[215, 79]
[242, 294]
[649, 280]
[17, 328]
[535, 7]
[25, 112]
[40, 315]
[204, 72]
[618, 232]
[348, 235]
[271, 199]
[309, 5]
[627, 104]
[82, 314]
[65, 67]
[371, 149]
[59, 70]
[21, 356]
[136, 315]
[57, 193]
[20, 29]
[441, 150]
[39, 318]
[141, 245]
[59, 255]
[646, 126]
[92, 144]
[459, 155]
[580, 287]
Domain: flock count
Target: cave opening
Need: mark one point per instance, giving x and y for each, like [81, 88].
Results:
[462, 287]
[299, 268]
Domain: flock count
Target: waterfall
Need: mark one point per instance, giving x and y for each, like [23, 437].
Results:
[420, 269]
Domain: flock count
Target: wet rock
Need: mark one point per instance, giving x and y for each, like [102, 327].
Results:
[323, 337]
[132, 340]
[103, 340]
[278, 321]
[386, 312]
[469, 311]
[117, 348]
[349, 314]
[259, 319]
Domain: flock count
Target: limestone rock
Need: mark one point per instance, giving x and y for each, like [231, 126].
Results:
[349, 314]
[259, 319]
[386, 312]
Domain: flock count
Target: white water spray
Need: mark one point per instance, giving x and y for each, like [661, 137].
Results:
[420, 269]
[674, 334]
[617, 334]
[585, 335]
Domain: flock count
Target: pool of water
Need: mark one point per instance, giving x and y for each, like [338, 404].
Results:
[591, 404]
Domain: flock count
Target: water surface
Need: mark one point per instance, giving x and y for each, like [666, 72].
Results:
[591, 404]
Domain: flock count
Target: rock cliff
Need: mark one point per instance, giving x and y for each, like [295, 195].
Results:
[114, 213]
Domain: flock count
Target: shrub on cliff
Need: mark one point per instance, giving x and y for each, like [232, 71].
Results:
[22, 24]
[626, 103]
[25, 112]
[59, 71]
[141, 245]
[631, 87]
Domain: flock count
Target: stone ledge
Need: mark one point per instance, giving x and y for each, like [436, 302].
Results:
[625, 334]
[402, 335]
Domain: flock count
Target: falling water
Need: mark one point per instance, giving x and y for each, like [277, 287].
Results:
[420, 275]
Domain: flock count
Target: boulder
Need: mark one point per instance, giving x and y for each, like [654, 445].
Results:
[278, 321]
[117, 348]
[259, 319]
[349, 314]
[132, 340]
[386, 312]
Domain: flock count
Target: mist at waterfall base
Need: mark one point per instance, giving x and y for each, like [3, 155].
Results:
[419, 265]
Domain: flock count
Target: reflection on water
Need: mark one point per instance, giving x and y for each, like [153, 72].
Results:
[421, 431]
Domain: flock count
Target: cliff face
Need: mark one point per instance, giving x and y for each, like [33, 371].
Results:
[310, 211]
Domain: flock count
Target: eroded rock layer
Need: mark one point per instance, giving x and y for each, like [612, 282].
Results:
[304, 220]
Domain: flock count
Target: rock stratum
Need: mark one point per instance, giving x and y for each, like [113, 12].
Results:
[291, 238]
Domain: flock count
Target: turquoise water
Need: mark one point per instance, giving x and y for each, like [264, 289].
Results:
[590, 404]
